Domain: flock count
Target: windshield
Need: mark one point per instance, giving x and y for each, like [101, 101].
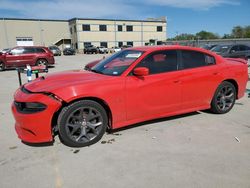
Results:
[116, 64]
[220, 49]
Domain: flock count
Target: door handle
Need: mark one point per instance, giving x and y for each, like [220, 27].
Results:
[215, 73]
[177, 81]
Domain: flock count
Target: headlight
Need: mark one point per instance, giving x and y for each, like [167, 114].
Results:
[30, 107]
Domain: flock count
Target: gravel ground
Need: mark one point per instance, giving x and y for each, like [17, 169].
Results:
[194, 150]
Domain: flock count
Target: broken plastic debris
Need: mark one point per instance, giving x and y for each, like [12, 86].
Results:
[236, 138]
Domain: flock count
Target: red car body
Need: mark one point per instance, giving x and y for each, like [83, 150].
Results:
[127, 98]
[20, 56]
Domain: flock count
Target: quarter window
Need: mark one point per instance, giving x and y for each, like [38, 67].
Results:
[193, 59]
[86, 27]
[40, 50]
[102, 27]
[160, 62]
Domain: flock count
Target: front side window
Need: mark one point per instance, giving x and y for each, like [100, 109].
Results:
[193, 59]
[160, 62]
[116, 64]
[17, 51]
[102, 27]
[235, 49]
[86, 27]
[220, 49]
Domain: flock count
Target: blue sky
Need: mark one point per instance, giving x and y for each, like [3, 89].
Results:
[183, 16]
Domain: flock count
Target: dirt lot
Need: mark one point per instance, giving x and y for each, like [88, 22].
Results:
[194, 150]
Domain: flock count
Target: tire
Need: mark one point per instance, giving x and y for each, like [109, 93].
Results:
[224, 98]
[82, 123]
[2, 66]
[42, 62]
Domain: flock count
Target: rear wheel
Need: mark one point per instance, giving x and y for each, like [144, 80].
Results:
[42, 62]
[2, 66]
[224, 98]
[82, 123]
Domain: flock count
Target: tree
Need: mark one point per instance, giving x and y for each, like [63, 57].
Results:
[238, 32]
[206, 35]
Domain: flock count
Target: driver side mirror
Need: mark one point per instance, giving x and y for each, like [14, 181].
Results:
[141, 71]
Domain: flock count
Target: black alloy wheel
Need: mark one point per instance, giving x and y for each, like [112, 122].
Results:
[2, 66]
[42, 62]
[82, 123]
[224, 98]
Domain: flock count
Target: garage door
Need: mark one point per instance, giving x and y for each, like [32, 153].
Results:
[24, 41]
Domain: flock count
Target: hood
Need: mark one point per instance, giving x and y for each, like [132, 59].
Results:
[59, 81]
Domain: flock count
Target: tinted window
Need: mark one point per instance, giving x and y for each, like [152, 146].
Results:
[244, 48]
[119, 27]
[40, 50]
[159, 28]
[86, 27]
[192, 59]
[129, 28]
[159, 62]
[17, 51]
[28, 50]
[235, 48]
[102, 28]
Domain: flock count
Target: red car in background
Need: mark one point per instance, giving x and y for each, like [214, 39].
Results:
[20, 56]
[131, 86]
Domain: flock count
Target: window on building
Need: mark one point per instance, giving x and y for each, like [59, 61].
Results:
[159, 29]
[129, 28]
[70, 30]
[86, 44]
[120, 44]
[102, 27]
[192, 59]
[160, 62]
[76, 45]
[74, 28]
[119, 27]
[130, 43]
[85, 27]
[104, 44]
[159, 43]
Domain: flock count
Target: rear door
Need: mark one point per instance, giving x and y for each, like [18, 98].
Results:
[28, 55]
[199, 79]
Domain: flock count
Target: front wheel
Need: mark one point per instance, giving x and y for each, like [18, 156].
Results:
[224, 98]
[2, 66]
[82, 123]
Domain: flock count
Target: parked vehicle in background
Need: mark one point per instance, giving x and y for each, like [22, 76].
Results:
[102, 50]
[131, 86]
[233, 51]
[5, 50]
[55, 50]
[115, 49]
[90, 49]
[208, 46]
[69, 51]
[126, 46]
[20, 56]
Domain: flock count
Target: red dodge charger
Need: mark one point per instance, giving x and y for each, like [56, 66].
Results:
[131, 86]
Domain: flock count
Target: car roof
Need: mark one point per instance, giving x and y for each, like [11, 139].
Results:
[169, 47]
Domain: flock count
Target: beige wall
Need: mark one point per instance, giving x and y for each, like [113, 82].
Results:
[142, 32]
[48, 32]
[42, 32]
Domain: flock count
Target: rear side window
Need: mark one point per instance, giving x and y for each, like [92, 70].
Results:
[29, 50]
[40, 50]
[193, 59]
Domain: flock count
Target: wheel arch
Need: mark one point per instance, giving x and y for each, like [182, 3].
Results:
[234, 82]
[96, 99]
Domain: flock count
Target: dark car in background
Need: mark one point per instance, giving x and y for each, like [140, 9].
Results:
[21, 56]
[90, 49]
[55, 50]
[69, 51]
[233, 51]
